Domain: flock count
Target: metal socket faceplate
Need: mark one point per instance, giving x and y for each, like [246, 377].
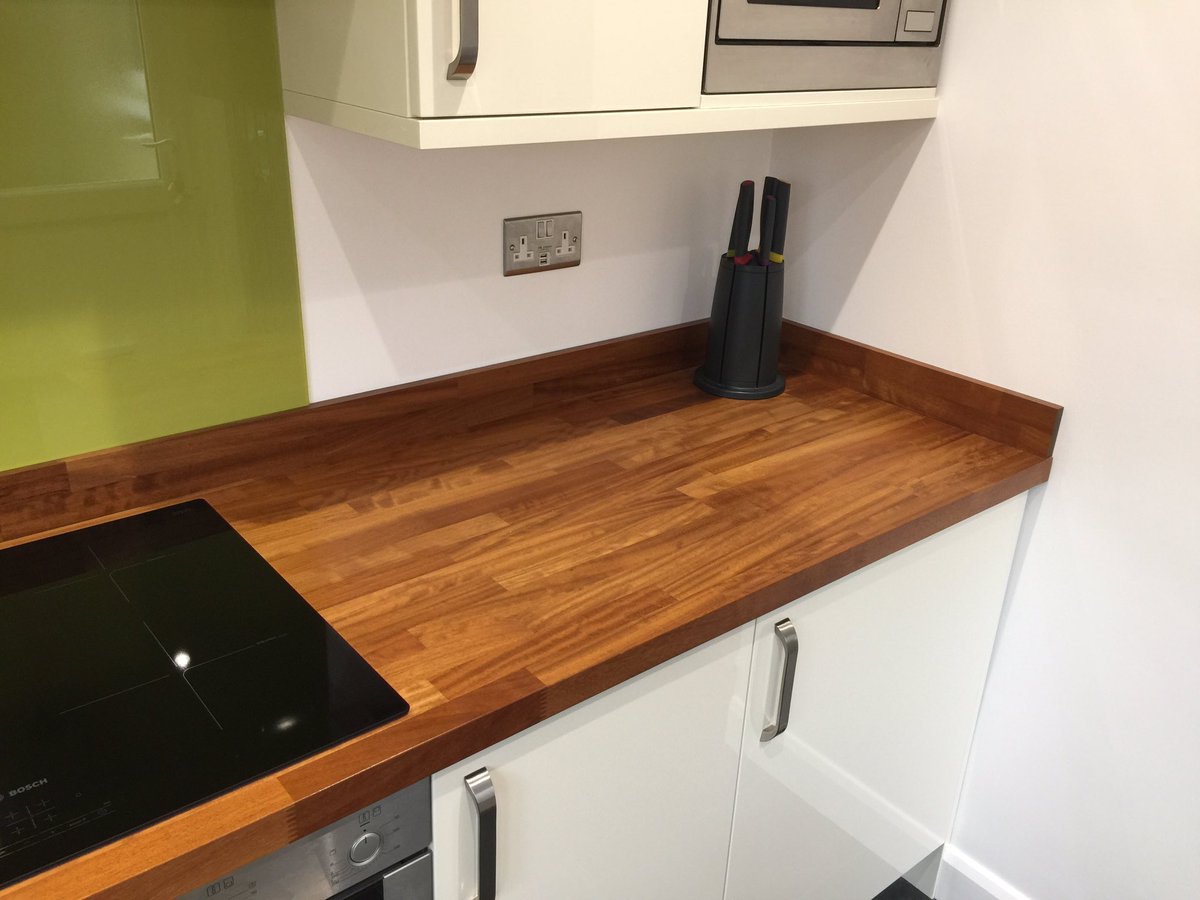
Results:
[538, 243]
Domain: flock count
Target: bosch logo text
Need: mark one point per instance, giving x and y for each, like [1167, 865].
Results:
[28, 787]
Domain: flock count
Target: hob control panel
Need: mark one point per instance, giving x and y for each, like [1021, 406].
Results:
[43, 810]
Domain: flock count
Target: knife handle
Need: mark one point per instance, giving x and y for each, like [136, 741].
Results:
[769, 186]
[768, 231]
[743, 215]
[783, 198]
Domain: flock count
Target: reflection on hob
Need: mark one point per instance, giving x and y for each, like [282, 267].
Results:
[149, 664]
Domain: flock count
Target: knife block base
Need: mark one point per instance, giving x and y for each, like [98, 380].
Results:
[774, 389]
[744, 331]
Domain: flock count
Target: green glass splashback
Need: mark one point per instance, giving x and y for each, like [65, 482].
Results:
[147, 257]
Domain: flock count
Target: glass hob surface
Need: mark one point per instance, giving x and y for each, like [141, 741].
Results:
[149, 664]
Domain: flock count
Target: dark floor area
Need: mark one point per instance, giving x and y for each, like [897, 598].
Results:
[901, 890]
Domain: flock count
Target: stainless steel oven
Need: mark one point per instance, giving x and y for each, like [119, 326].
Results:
[813, 45]
[380, 852]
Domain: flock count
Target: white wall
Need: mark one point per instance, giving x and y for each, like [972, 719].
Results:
[1044, 234]
[400, 250]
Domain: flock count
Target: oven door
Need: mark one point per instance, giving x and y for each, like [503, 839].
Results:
[830, 21]
[411, 880]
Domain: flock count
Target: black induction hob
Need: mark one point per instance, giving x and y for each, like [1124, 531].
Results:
[151, 663]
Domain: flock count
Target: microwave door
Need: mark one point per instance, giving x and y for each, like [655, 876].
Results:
[821, 21]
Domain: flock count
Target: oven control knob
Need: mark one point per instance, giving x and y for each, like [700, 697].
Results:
[364, 850]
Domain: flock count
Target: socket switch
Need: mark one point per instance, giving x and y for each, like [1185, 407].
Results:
[538, 243]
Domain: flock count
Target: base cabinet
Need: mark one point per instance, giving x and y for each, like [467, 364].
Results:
[628, 795]
[681, 784]
[890, 664]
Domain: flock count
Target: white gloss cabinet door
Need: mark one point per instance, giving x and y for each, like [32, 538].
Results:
[889, 673]
[550, 56]
[628, 795]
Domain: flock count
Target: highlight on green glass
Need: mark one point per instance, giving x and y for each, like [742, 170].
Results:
[147, 255]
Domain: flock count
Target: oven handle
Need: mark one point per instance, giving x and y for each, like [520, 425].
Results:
[483, 794]
[463, 66]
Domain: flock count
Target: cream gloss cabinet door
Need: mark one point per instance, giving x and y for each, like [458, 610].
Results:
[862, 784]
[628, 795]
[533, 56]
[550, 56]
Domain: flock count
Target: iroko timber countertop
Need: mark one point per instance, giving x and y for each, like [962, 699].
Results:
[504, 544]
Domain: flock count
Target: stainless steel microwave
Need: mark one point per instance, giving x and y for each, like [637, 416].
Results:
[822, 45]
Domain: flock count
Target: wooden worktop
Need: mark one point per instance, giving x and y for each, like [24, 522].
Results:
[504, 544]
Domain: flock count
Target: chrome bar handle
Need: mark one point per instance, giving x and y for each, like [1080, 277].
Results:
[786, 632]
[483, 794]
[463, 66]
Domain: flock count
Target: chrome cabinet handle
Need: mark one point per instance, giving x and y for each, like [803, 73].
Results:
[786, 632]
[463, 66]
[483, 793]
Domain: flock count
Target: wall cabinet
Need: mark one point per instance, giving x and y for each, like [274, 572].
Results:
[628, 795]
[544, 71]
[889, 672]
[537, 56]
[665, 787]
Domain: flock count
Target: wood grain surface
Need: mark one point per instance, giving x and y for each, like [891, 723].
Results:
[504, 544]
[1003, 415]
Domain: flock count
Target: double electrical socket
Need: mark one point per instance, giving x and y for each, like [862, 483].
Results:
[538, 243]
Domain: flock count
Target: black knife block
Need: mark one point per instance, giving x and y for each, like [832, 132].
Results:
[744, 329]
